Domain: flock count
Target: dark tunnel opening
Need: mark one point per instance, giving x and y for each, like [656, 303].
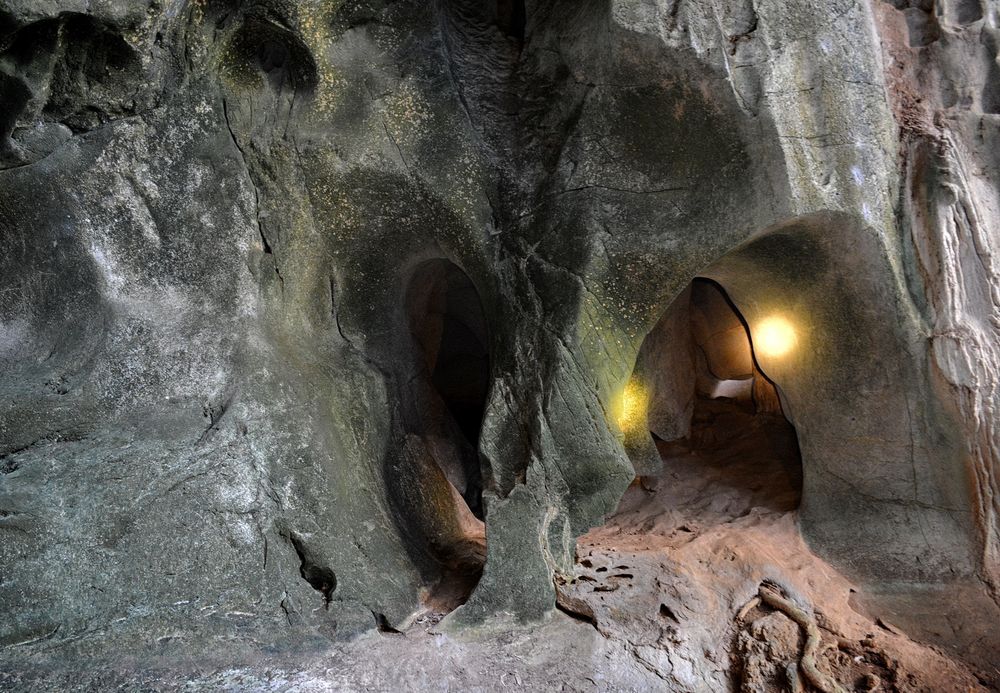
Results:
[449, 328]
[449, 391]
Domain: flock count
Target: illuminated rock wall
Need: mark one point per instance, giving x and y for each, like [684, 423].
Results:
[212, 212]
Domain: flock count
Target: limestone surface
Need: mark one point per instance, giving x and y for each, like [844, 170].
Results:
[340, 322]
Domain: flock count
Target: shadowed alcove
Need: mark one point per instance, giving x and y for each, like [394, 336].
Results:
[511, 18]
[448, 399]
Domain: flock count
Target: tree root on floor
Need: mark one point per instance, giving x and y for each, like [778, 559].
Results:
[808, 662]
[747, 608]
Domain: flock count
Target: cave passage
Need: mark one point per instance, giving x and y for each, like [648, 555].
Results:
[447, 323]
[452, 361]
[718, 470]
[737, 417]
[512, 18]
[715, 417]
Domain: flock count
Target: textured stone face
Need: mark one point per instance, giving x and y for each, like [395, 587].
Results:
[220, 413]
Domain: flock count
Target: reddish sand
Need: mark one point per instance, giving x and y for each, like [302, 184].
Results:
[675, 572]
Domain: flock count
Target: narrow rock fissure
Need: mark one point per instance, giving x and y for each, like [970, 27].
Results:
[253, 184]
[382, 623]
[321, 578]
[581, 616]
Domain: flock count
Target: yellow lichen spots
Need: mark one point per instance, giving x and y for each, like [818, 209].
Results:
[314, 22]
[774, 336]
[407, 108]
[403, 115]
[239, 76]
[236, 64]
[198, 10]
[630, 407]
[342, 217]
[330, 87]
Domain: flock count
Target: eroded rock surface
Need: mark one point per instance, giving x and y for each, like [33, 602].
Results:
[223, 430]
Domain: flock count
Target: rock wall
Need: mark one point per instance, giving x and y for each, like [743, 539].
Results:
[212, 212]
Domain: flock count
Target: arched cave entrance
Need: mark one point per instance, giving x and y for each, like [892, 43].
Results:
[719, 474]
[450, 389]
[702, 423]
[711, 408]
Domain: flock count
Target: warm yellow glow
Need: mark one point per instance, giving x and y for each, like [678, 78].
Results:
[774, 336]
[630, 410]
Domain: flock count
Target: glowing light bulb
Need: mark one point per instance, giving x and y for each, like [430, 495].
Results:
[631, 409]
[774, 336]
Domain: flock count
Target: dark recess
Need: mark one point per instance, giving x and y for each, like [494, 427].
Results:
[321, 578]
[512, 18]
[382, 623]
[446, 319]
[8, 25]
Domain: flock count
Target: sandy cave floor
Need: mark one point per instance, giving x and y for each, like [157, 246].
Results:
[662, 598]
[675, 572]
